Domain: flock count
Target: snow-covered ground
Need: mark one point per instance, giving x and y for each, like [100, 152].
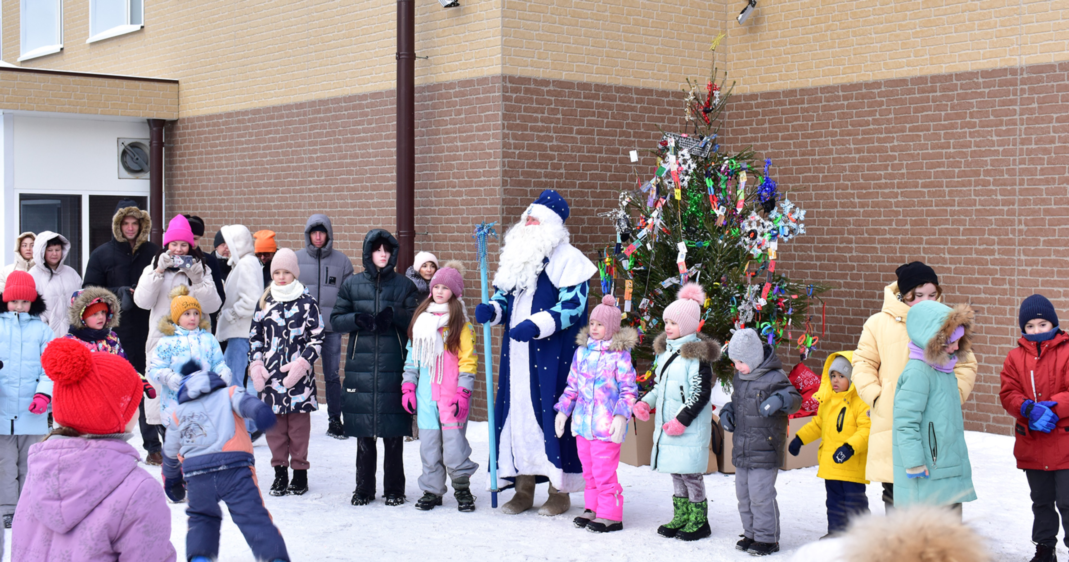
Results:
[323, 526]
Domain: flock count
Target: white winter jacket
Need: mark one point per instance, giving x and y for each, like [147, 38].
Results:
[21, 264]
[244, 286]
[57, 286]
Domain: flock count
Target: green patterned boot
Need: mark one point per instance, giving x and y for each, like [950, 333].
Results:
[697, 526]
[680, 517]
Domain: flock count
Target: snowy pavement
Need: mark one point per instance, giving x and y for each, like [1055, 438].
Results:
[323, 526]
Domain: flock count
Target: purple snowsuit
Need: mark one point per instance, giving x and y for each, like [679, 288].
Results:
[86, 500]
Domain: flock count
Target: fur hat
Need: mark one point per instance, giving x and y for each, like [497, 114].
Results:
[687, 308]
[745, 347]
[608, 315]
[85, 302]
[94, 393]
[20, 287]
[928, 533]
[286, 259]
[181, 301]
[452, 276]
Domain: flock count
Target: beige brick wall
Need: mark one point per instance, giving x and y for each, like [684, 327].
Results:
[87, 95]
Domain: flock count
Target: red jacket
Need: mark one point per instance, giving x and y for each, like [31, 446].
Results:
[1047, 371]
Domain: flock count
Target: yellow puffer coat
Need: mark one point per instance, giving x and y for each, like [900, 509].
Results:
[842, 418]
[879, 360]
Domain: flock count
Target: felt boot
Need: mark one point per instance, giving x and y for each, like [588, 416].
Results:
[558, 503]
[523, 499]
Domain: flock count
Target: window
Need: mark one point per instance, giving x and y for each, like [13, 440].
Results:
[110, 18]
[59, 213]
[42, 28]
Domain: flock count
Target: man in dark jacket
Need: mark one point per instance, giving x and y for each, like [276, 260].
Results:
[117, 265]
[375, 307]
[323, 271]
[196, 224]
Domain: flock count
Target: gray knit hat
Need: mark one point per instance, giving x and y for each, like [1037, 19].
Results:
[842, 365]
[745, 347]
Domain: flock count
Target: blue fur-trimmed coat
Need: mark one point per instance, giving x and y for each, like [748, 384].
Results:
[527, 442]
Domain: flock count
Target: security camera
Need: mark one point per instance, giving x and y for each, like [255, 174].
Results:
[745, 13]
[449, 3]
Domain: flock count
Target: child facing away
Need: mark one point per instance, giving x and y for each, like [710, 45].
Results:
[438, 380]
[1035, 391]
[285, 341]
[842, 424]
[25, 390]
[86, 497]
[599, 398]
[207, 433]
[931, 459]
[683, 427]
[187, 336]
[761, 399]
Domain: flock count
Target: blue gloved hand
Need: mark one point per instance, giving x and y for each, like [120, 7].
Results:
[771, 405]
[254, 409]
[795, 447]
[174, 489]
[524, 331]
[917, 472]
[1040, 416]
[843, 454]
[727, 417]
[484, 313]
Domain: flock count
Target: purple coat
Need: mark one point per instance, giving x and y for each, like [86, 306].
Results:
[601, 384]
[86, 500]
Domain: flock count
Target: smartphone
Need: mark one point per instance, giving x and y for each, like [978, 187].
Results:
[183, 262]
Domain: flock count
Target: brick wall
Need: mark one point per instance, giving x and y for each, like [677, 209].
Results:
[964, 171]
[68, 92]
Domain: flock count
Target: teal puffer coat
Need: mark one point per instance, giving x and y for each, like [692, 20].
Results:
[929, 429]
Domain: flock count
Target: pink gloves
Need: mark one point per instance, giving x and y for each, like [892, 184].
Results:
[461, 403]
[40, 403]
[641, 410]
[297, 370]
[408, 397]
[258, 374]
[674, 428]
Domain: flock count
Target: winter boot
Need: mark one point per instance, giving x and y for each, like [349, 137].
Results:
[360, 498]
[462, 492]
[282, 480]
[1045, 554]
[584, 519]
[558, 503]
[697, 526]
[604, 526]
[7, 520]
[680, 516]
[394, 500]
[335, 428]
[763, 548]
[744, 543]
[299, 484]
[523, 499]
[428, 502]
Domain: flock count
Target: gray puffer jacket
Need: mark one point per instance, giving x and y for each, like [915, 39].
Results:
[759, 442]
[323, 270]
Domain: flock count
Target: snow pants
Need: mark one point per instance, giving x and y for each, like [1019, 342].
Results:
[756, 490]
[1050, 489]
[603, 494]
[288, 440]
[845, 500]
[14, 450]
[237, 488]
[690, 486]
[442, 452]
[393, 466]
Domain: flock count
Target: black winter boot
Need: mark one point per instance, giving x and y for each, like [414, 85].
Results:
[282, 480]
[462, 492]
[1045, 554]
[299, 484]
[763, 548]
[744, 543]
[395, 499]
[428, 502]
[361, 499]
[335, 428]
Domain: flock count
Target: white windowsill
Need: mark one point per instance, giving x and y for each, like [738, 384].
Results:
[41, 51]
[114, 32]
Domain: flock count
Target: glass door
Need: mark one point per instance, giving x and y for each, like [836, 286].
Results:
[58, 213]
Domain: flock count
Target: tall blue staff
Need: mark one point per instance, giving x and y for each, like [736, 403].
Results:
[481, 233]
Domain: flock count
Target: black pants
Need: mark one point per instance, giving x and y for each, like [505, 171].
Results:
[1050, 489]
[393, 466]
[845, 501]
[150, 434]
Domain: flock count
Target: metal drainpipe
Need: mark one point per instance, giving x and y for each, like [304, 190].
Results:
[406, 131]
[155, 181]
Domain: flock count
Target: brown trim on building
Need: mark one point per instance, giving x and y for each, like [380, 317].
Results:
[86, 74]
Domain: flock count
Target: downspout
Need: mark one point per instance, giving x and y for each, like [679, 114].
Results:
[406, 130]
[155, 179]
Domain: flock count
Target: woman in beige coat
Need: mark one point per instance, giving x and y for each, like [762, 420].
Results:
[23, 257]
[881, 356]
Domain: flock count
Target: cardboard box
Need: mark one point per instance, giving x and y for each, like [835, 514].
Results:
[638, 445]
[720, 451]
[808, 456]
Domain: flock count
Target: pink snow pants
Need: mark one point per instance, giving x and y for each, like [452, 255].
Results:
[603, 494]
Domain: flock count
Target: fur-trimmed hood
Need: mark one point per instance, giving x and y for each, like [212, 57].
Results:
[169, 328]
[142, 217]
[21, 263]
[625, 339]
[706, 349]
[37, 307]
[930, 324]
[87, 297]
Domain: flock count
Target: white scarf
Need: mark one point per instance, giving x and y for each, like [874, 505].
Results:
[287, 293]
[427, 343]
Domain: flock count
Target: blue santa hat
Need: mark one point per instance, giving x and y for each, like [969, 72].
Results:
[549, 208]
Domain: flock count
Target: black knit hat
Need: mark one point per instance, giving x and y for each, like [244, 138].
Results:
[196, 224]
[1037, 306]
[913, 275]
[218, 239]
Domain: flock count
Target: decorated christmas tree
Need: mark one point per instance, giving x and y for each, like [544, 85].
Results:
[714, 218]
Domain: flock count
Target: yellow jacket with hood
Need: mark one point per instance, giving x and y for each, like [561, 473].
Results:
[881, 356]
[843, 418]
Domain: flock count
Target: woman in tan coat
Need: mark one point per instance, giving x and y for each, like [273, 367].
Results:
[881, 356]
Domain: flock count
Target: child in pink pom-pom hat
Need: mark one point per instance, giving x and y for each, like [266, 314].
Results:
[598, 398]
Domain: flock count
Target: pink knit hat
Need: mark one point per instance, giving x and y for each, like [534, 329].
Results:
[178, 230]
[452, 276]
[608, 315]
[286, 259]
[687, 309]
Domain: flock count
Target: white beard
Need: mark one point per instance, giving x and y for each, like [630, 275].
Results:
[523, 253]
